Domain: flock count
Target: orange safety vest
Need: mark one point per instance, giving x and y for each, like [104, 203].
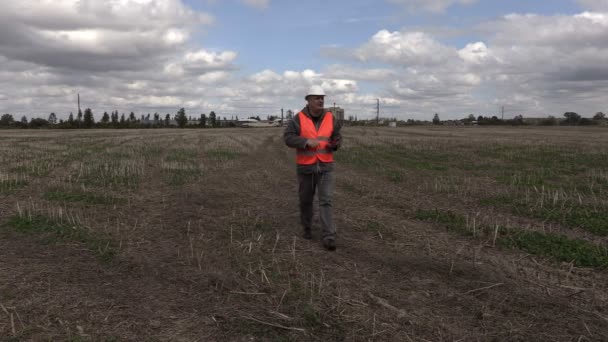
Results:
[308, 130]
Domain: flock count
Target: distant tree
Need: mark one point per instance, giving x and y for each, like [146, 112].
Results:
[6, 120]
[123, 121]
[471, 117]
[156, 117]
[132, 117]
[518, 120]
[549, 121]
[203, 120]
[599, 116]
[494, 120]
[181, 118]
[52, 119]
[22, 123]
[89, 120]
[571, 118]
[38, 123]
[71, 123]
[167, 119]
[114, 119]
[436, 120]
[212, 121]
[105, 119]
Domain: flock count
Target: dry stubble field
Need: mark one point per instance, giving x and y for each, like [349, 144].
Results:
[445, 234]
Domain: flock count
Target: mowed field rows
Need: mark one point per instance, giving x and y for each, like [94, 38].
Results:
[444, 234]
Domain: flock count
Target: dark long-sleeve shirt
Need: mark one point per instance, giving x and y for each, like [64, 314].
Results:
[292, 138]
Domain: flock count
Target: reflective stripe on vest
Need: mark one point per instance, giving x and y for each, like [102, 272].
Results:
[309, 131]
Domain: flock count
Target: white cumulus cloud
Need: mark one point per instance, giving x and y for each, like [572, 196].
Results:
[403, 48]
[95, 35]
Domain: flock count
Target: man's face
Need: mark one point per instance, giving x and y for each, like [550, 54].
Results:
[315, 103]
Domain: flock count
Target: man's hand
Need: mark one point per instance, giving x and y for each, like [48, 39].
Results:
[334, 144]
[312, 143]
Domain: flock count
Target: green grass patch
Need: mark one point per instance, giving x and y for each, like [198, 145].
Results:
[182, 155]
[246, 226]
[311, 317]
[37, 168]
[181, 167]
[394, 155]
[552, 166]
[395, 176]
[525, 178]
[180, 177]
[81, 196]
[53, 231]
[352, 188]
[113, 181]
[558, 247]
[377, 228]
[358, 157]
[10, 185]
[554, 246]
[553, 179]
[566, 212]
[180, 173]
[223, 154]
[115, 174]
[450, 220]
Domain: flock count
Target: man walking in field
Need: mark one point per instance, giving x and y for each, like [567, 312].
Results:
[315, 134]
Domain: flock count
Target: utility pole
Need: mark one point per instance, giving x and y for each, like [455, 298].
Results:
[281, 114]
[377, 111]
[78, 102]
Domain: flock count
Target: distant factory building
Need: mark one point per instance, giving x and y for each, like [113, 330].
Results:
[337, 112]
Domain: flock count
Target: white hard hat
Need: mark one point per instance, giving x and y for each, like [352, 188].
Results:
[315, 90]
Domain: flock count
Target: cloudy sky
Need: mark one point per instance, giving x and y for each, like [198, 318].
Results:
[254, 57]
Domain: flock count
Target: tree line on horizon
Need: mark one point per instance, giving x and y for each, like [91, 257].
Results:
[570, 119]
[87, 120]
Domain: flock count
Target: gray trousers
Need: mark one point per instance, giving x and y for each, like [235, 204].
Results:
[308, 185]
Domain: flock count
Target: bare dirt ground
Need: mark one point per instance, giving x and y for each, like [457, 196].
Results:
[219, 256]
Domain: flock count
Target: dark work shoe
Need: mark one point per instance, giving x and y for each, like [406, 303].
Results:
[329, 244]
[307, 234]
